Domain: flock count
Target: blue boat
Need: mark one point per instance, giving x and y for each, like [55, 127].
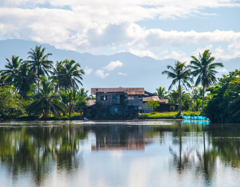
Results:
[195, 117]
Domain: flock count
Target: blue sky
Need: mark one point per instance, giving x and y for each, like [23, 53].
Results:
[160, 29]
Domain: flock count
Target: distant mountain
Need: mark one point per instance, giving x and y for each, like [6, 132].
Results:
[135, 72]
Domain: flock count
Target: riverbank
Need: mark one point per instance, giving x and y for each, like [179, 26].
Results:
[167, 115]
[79, 116]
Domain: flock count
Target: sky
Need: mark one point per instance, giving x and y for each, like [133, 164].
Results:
[160, 29]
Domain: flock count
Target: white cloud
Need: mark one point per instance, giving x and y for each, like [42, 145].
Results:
[114, 64]
[100, 73]
[177, 55]
[143, 53]
[222, 70]
[123, 74]
[87, 70]
[111, 24]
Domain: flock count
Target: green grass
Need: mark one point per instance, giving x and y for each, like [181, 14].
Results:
[170, 115]
[73, 116]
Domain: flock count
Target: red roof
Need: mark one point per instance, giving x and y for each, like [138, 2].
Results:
[129, 91]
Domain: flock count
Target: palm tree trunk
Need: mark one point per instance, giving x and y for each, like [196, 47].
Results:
[180, 98]
[38, 80]
[203, 97]
[38, 85]
[44, 114]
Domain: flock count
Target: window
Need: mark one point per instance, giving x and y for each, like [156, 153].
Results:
[118, 99]
[130, 97]
[103, 97]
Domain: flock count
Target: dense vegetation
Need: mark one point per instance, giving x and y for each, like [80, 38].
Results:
[36, 88]
[224, 105]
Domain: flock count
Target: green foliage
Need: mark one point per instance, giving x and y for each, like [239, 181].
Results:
[39, 62]
[152, 104]
[224, 105]
[204, 69]
[23, 80]
[161, 93]
[7, 74]
[46, 101]
[187, 101]
[67, 74]
[41, 99]
[181, 76]
[166, 114]
[173, 97]
[10, 104]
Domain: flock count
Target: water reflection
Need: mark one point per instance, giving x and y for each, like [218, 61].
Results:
[195, 151]
[119, 137]
[37, 149]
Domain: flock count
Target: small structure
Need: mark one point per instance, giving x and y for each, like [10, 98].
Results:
[122, 101]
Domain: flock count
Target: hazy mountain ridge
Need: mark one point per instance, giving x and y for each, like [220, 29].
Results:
[136, 71]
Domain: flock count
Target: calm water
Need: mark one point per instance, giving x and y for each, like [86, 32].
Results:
[111, 154]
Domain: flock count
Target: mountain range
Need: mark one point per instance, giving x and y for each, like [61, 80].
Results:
[121, 69]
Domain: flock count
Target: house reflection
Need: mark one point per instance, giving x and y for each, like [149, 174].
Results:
[120, 137]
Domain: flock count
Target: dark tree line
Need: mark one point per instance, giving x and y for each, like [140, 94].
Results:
[39, 87]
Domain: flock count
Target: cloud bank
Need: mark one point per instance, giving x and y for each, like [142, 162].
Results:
[89, 25]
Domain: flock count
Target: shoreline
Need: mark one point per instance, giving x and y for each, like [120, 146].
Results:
[133, 119]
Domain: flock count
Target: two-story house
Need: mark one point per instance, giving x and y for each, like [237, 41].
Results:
[122, 100]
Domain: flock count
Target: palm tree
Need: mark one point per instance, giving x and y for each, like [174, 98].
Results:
[46, 100]
[174, 97]
[23, 80]
[181, 76]
[39, 62]
[67, 74]
[83, 93]
[161, 93]
[204, 69]
[68, 98]
[11, 69]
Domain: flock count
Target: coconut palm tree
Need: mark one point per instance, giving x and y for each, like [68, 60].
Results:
[68, 98]
[46, 101]
[39, 62]
[11, 69]
[204, 69]
[68, 74]
[181, 76]
[161, 93]
[23, 79]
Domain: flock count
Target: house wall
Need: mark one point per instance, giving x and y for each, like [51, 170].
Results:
[112, 101]
[146, 109]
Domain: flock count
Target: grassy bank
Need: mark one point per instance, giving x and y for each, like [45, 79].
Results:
[166, 115]
[79, 116]
[73, 116]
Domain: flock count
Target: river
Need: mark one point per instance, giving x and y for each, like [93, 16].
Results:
[122, 153]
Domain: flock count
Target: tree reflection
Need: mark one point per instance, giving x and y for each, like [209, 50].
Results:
[226, 143]
[38, 149]
[181, 160]
[201, 159]
[206, 162]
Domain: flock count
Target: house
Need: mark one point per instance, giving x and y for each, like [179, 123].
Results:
[121, 101]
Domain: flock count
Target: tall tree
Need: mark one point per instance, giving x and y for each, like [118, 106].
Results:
[13, 65]
[46, 100]
[68, 74]
[23, 80]
[39, 62]
[204, 69]
[181, 76]
[161, 93]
